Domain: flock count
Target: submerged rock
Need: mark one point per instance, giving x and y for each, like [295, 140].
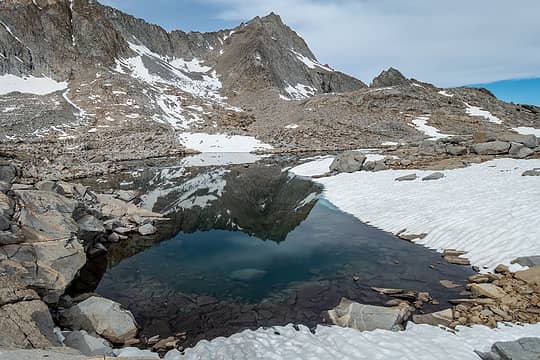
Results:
[367, 317]
[147, 229]
[103, 317]
[247, 274]
[348, 162]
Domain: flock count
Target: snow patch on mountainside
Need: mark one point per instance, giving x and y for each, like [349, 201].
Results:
[445, 93]
[312, 64]
[189, 76]
[208, 143]
[418, 342]
[472, 209]
[525, 130]
[179, 69]
[478, 111]
[300, 91]
[30, 85]
[420, 123]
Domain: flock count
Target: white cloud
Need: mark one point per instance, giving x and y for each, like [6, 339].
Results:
[444, 42]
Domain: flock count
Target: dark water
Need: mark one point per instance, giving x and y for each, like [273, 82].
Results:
[264, 251]
[232, 265]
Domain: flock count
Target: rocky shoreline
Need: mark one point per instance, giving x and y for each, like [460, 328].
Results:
[50, 229]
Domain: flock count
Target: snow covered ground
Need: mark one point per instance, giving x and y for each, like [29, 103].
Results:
[524, 130]
[30, 85]
[221, 143]
[420, 123]
[487, 209]
[221, 149]
[478, 111]
[418, 342]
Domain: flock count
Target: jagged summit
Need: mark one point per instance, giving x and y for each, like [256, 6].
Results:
[63, 39]
[390, 77]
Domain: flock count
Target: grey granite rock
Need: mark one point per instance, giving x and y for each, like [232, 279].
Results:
[349, 161]
[409, 177]
[103, 317]
[433, 176]
[367, 317]
[491, 148]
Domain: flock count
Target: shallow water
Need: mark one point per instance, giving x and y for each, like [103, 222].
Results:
[253, 246]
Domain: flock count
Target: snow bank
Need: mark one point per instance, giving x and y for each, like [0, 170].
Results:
[300, 91]
[221, 143]
[477, 111]
[418, 342]
[487, 209]
[312, 64]
[220, 159]
[420, 123]
[313, 168]
[524, 130]
[30, 85]
[445, 93]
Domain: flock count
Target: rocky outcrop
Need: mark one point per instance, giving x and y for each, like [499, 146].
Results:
[491, 148]
[367, 317]
[349, 161]
[25, 321]
[390, 77]
[103, 317]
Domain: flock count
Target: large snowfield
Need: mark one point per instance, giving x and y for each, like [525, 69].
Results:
[30, 85]
[418, 342]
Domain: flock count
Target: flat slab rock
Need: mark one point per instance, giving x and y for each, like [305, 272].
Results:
[443, 317]
[488, 290]
[522, 349]
[409, 177]
[366, 317]
[530, 261]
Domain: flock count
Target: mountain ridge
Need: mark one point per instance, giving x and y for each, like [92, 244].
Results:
[135, 87]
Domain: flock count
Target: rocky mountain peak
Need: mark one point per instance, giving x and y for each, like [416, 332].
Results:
[390, 77]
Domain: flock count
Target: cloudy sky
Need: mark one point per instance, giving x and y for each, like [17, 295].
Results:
[448, 43]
